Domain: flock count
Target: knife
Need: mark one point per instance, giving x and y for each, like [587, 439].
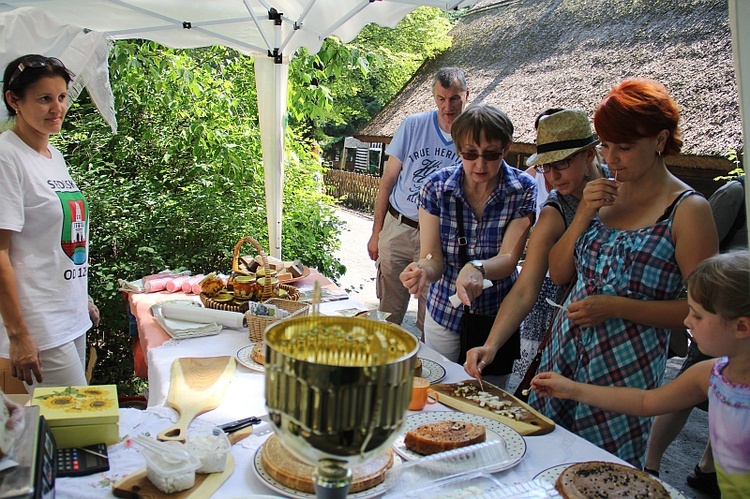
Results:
[239, 424]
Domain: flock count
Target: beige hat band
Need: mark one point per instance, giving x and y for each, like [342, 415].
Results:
[564, 144]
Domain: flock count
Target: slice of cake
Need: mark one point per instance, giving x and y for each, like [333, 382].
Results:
[441, 436]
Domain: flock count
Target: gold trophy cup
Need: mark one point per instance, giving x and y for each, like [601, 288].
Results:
[337, 390]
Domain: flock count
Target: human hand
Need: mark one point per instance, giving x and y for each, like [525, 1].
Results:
[25, 360]
[469, 284]
[16, 413]
[591, 311]
[476, 360]
[372, 246]
[597, 194]
[93, 312]
[549, 384]
[413, 277]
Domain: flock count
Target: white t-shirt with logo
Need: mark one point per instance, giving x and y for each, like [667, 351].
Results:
[423, 148]
[43, 207]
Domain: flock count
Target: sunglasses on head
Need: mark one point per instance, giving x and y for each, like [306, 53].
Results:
[35, 61]
[488, 156]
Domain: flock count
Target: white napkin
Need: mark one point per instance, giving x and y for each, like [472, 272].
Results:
[486, 283]
[178, 329]
[203, 315]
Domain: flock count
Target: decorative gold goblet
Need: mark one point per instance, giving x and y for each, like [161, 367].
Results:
[337, 390]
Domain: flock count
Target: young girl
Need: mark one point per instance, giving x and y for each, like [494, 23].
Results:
[719, 320]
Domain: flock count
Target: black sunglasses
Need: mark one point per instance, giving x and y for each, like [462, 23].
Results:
[35, 61]
[488, 156]
[557, 165]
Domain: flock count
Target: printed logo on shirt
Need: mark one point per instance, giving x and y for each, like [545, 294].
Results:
[428, 166]
[75, 220]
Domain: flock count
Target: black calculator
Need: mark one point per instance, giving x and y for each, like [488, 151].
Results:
[77, 461]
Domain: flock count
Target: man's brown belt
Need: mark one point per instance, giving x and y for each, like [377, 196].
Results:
[401, 218]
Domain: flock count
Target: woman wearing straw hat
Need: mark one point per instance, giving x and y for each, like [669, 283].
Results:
[631, 242]
[566, 155]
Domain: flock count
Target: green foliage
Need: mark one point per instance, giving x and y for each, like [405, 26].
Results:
[182, 181]
[362, 76]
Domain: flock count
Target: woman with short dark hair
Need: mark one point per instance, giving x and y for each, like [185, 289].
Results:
[496, 205]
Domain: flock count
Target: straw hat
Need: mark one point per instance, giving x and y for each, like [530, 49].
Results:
[561, 135]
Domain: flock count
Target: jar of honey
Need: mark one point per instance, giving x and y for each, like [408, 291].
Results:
[244, 287]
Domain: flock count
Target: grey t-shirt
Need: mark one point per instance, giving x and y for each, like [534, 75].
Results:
[726, 204]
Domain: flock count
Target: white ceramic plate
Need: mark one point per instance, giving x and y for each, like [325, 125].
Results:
[514, 442]
[244, 358]
[271, 483]
[431, 370]
[551, 474]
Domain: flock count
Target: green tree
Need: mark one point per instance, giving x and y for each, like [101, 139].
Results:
[182, 181]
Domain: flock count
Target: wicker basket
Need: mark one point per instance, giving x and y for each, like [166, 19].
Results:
[256, 324]
[268, 291]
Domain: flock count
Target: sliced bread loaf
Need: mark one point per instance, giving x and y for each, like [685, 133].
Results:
[440, 436]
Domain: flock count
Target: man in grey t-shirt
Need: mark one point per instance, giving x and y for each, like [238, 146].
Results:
[420, 146]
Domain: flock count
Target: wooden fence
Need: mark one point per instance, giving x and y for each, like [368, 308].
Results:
[354, 190]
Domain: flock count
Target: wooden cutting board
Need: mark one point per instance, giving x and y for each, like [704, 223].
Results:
[534, 424]
[137, 485]
[197, 385]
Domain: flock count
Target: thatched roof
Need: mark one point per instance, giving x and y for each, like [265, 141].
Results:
[528, 55]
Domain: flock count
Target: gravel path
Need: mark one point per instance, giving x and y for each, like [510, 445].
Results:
[359, 281]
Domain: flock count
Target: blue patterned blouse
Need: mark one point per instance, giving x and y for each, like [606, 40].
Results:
[514, 197]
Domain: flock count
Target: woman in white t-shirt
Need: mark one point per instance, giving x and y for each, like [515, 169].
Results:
[43, 233]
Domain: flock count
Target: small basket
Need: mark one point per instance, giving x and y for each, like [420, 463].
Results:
[256, 324]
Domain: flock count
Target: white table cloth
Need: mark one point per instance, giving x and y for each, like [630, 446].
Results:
[245, 397]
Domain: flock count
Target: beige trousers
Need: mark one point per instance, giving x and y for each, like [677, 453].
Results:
[398, 246]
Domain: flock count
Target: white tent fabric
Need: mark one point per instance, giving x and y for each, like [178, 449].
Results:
[739, 13]
[270, 30]
[33, 31]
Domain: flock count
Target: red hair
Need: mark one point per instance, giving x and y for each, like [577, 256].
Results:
[636, 109]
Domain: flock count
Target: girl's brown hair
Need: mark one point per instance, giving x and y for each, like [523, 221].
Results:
[636, 109]
[721, 284]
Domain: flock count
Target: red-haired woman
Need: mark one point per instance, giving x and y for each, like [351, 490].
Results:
[632, 240]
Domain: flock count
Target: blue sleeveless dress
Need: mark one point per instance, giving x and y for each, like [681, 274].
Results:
[638, 264]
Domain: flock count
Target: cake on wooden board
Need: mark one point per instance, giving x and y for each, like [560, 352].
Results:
[441, 436]
[492, 402]
[291, 472]
[602, 479]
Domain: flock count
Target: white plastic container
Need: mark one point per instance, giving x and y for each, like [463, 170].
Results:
[211, 449]
[169, 466]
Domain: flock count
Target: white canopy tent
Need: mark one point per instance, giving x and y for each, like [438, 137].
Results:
[739, 15]
[269, 30]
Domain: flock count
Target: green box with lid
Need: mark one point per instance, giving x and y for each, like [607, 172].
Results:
[80, 415]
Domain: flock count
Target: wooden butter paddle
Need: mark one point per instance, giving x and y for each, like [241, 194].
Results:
[197, 386]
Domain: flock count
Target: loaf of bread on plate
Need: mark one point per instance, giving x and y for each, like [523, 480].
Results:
[441, 436]
[603, 479]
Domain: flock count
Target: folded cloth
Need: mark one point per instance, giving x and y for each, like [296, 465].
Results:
[182, 329]
[200, 315]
